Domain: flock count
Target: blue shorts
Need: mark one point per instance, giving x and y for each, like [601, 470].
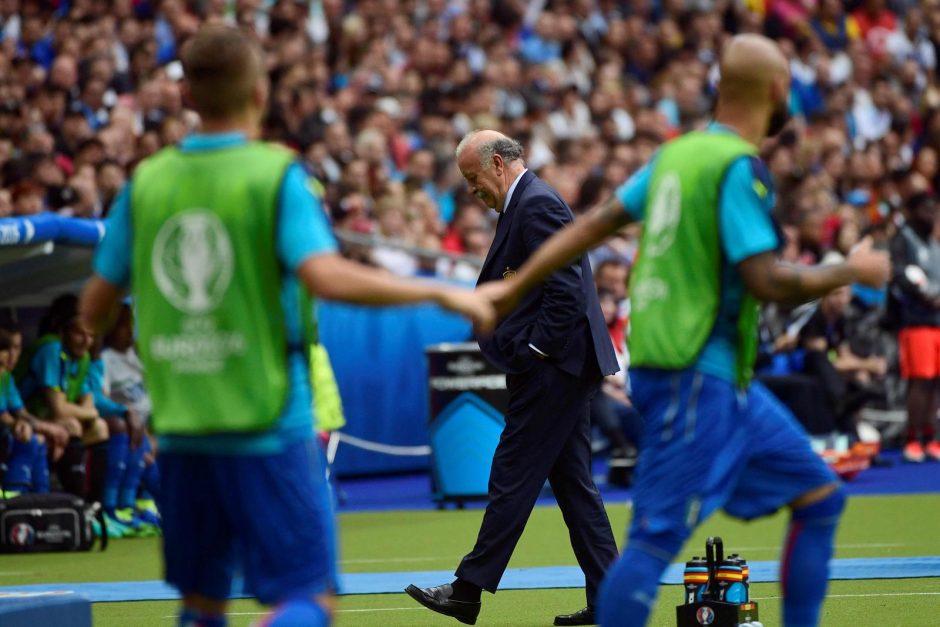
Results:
[267, 516]
[706, 445]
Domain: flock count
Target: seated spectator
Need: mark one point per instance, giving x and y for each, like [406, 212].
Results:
[834, 28]
[469, 216]
[611, 275]
[848, 379]
[611, 410]
[27, 199]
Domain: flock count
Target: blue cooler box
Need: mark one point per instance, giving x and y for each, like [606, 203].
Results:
[467, 398]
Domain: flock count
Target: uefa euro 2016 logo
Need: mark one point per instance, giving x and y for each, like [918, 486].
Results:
[22, 534]
[664, 216]
[705, 615]
[192, 261]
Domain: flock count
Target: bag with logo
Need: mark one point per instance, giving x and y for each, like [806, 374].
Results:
[33, 523]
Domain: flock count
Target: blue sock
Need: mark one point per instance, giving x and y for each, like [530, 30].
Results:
[117, 458]
[20, 466]
[297, 613]
[192, 618]
[151, 481]
[132, 474]
[628, 592]
[805, 564]
[41, 468]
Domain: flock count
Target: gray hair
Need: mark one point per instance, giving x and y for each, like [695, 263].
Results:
[507, 148]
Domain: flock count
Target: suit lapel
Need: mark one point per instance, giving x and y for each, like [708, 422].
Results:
[505, 221]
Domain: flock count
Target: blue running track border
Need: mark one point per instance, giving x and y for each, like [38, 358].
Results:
[514, 579]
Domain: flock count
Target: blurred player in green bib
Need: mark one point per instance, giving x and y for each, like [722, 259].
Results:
[220, 240]
[713, 438]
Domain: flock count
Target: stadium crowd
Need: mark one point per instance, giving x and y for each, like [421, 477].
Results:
[375, 95]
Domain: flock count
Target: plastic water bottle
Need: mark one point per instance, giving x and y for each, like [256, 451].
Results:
[730, 582]
[745, 575]
[695, 579]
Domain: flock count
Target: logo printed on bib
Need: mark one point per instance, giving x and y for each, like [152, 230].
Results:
[663, 220]
[192, 261]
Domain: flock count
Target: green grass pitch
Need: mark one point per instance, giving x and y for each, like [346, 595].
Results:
[886, 526]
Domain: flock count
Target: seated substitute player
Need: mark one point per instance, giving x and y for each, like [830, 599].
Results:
[123, 382]
[126, 449]
[23, 453]
[712, 438]
[56, 437]
[56, 389]
[217, 238]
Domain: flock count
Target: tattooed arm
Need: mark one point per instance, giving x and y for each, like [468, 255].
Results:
[770, 280]
[571, 242]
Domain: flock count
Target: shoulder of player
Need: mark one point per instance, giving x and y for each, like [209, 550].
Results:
[749, 171]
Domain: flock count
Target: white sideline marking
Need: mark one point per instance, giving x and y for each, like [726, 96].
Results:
[881, 545]
[376, 609]
[409, 609]
[874, 594]
[391, 560]
[385, 609]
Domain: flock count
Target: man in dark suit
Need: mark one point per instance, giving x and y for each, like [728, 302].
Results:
[555, 350]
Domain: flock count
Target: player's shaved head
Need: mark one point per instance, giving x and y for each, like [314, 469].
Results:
[754, 89]
[750, 64]
[223, 69]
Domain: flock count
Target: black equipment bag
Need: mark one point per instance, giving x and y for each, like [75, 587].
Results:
[33, 523]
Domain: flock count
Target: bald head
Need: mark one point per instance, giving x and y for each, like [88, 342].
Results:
[490, 162]
[754, 89]
[750, 65]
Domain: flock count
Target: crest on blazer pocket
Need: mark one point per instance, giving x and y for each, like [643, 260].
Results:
[508, 273]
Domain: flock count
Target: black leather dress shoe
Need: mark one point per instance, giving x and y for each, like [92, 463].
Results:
[581, 617]
[438, 599]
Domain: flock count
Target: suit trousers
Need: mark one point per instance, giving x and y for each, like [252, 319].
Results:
[547, 436]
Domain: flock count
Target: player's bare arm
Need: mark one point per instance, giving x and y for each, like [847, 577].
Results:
[99, 303]
[332, 277]
[571, 242]
[61, 408]
[770, 280]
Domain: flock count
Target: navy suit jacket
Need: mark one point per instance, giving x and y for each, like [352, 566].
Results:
[561, 317]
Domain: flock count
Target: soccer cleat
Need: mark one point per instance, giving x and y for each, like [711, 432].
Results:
[914, 452]
[11, 494]
[933, 450]
[147, 505]
[141, 528]
[149, 517]
[115, 528]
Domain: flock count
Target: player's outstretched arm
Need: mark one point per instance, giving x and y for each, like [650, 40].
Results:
[335, 278]
[772, 281]
[569, 243]
[98, 305]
